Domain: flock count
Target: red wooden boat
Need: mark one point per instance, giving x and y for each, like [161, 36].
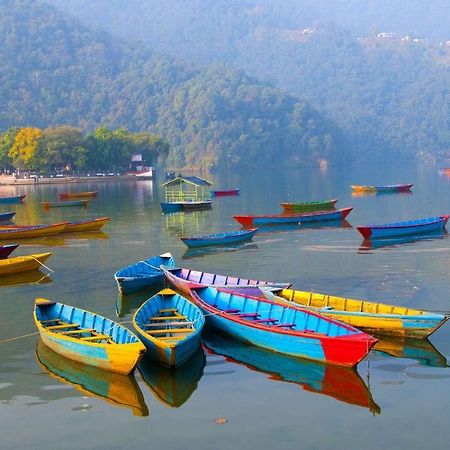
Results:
[275, 219]
[225, 193]
[6, 250]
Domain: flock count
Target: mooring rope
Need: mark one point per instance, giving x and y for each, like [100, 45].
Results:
[43, 265]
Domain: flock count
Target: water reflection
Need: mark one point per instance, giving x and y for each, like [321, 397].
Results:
[126, 304]
[199, 252]
[422, 350]
[368, 245]
[342, 383]
[118, 390]
[24, 278]
[186, 222]
[173, 387]
[379, 193]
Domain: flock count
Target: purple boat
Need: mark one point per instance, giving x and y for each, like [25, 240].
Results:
[6, 250]
[6, 216]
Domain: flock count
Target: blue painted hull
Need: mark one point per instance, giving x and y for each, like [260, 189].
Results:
[7, 216]
[412, 227]
[222, 239]
[171, 207]
[142, 274]
[15, 199]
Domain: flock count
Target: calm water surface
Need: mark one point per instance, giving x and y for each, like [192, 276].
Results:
[234, 396]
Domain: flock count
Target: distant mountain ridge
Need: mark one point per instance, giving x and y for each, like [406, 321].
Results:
[389, 96]
[55, 71]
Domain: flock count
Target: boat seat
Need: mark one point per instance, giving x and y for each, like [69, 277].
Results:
[168, 310]
[171, 338]
[167, 317]
[232, 311]
[63, 325]
[171, 330]
[80, 331]
[269, 320]
[243, 315]
[98, 337]
[167, 324]
[50, 320]
[283, 325]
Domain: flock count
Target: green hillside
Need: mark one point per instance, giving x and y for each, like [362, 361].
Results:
[56, 71]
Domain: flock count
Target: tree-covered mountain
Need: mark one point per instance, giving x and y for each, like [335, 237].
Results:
[56, 71]
[390, 94]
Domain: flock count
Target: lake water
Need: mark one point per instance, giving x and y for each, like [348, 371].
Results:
[235, 396]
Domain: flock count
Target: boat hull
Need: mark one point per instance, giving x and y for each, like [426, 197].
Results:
[18, 232]
[6, 250]
[308, 206]
[14, 199]
[86, 225]
[345, 349]
[293, 218]
[387, 188]
[66, 203]
[77, 195]
[142, 274]
[404, 228]
[7, 216]
[171, 354]
[373, 318]
[215, 240]
[120, 358]
[225, 193]
[22, 263]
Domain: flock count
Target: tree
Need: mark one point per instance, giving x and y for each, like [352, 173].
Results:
[23, 150]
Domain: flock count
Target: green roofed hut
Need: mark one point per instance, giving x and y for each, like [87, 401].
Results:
[186, 193]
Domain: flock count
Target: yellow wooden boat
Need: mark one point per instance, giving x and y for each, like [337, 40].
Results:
[22, 263]
[77, 195]
[31, 231]
[371, 317]
[87, 337]
[86, 225]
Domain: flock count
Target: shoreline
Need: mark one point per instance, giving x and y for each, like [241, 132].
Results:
[9, 180]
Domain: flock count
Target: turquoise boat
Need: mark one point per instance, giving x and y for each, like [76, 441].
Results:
[86, 337]
[170, 327]
[7, 216]
[229, 238]
[142, 274]
[13, 199]
[283, 328]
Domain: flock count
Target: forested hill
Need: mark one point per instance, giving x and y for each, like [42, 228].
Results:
[390, 94]
[55, 71]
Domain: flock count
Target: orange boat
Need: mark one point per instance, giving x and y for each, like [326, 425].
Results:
[86, 225]
[31, 231]
[77, 195]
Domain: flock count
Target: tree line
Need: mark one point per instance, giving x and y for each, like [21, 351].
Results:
[66, 149]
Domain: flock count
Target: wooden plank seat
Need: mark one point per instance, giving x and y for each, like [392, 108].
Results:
[269, 320]
[63, 325]
[171, 330]
[50, 321]
[98, 337]
[247, 315]
[170, 324]
[80, 331]
[168, 310]
[232, 311]
[168, 318]
[284, 325]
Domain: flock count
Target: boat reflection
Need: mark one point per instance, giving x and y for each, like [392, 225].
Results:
[126, 304]
[198, 252]
[116, 389]
[302, 226]
[88, 235]
[422, 350]
[173, 387]
[342, 383]
[186, 222]
[24, 278]
[49, 241]
[373, 244]
[379, 193]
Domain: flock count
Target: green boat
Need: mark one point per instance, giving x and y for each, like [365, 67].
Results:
[308, 206]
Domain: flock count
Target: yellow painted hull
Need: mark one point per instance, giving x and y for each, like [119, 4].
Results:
[91, 225]
[77, 195]
[22, 263]
[18, 232]
[371, 317]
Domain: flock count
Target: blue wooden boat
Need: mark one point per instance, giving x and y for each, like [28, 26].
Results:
[418, 226]
[292, 218]
[341, 383]
[170, 327]
[385, 188]
[142, 274]
[168, 207]
[13, 199]
[7, 216]
[87, 337]
[229, 238]
[283, 328]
